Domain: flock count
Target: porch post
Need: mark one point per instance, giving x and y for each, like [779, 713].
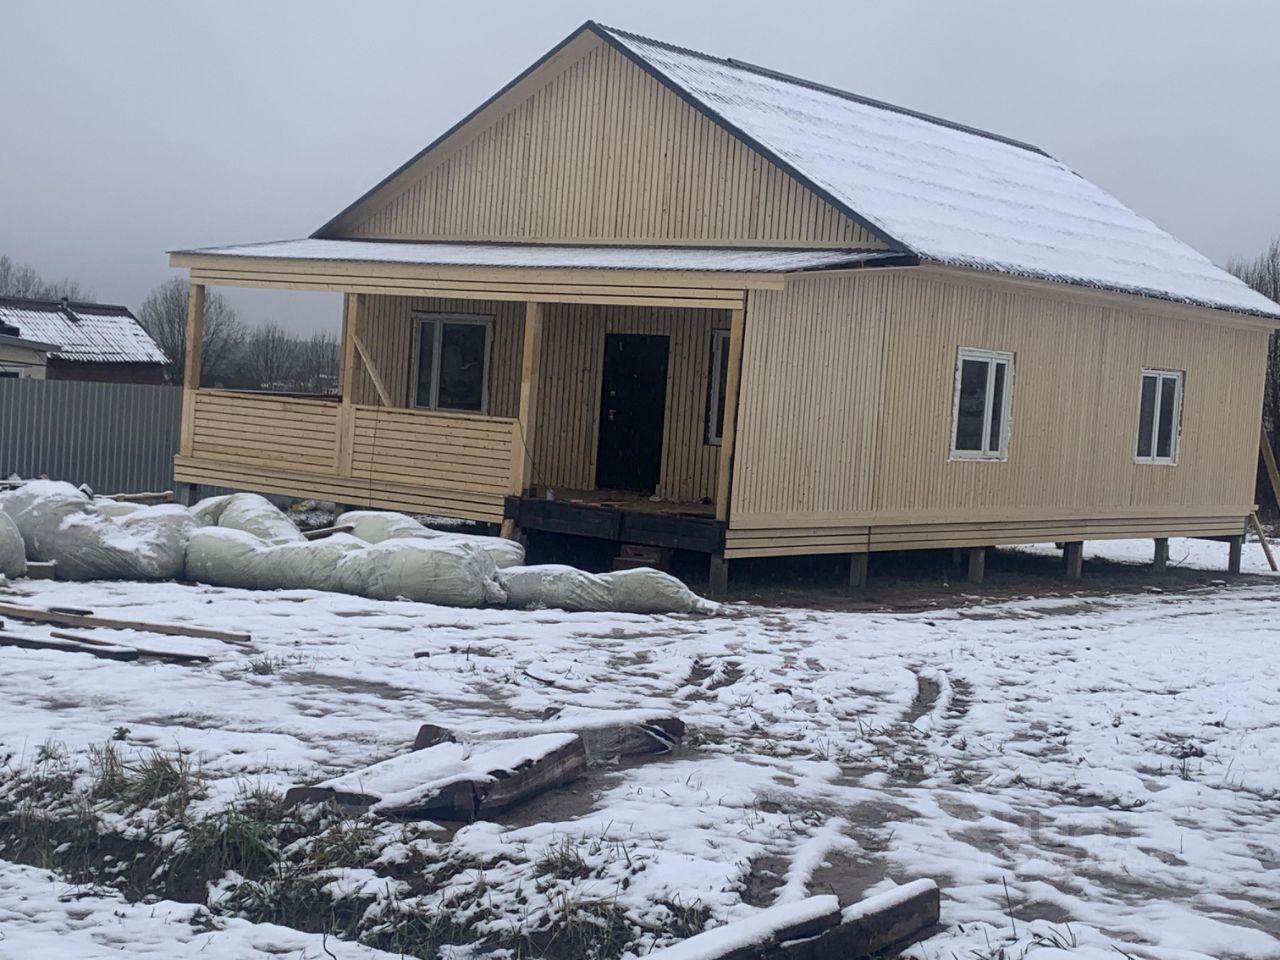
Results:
[191, 366]
[530, 368]
[728, 435]
[351, 310]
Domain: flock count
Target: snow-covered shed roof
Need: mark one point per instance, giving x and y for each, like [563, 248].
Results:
[945, 192]
[533, 255]
[85, 332]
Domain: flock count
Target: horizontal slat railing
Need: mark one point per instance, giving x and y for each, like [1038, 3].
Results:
[452, 464]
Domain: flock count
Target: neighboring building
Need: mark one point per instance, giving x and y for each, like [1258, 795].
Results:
[86, 341]
[20, 357]
[668, 299]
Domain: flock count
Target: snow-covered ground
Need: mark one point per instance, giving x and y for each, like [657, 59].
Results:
[1082, 775]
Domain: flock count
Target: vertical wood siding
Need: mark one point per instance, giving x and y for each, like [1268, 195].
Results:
[599, 151]
[847, 406]
[569, 384]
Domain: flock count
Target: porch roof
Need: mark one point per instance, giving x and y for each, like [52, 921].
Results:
[549, 256]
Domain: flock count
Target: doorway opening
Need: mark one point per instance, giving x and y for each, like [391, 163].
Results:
[633, 402]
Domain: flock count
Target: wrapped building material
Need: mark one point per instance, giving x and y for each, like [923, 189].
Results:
[377, 526]
[555, 585]
[13, 553]
[255, 514]
[644, 590]
[453, 574]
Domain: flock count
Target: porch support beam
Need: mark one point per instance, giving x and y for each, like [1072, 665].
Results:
[530, 371]
[191, 366]
[729, 433]
[352, 307]
[370, 369]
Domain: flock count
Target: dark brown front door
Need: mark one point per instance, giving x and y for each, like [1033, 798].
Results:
[633, 401]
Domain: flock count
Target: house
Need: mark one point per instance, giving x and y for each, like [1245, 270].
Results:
[672, 300]
[85, 341]
[21, 358]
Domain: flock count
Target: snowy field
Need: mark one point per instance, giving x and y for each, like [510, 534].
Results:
[1086, 777]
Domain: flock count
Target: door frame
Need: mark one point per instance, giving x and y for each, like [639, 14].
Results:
[594, 465]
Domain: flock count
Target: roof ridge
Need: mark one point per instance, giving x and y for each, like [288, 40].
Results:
[58, 304]
[748, 67]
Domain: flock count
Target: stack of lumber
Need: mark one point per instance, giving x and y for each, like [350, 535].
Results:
[454, 781]
[67, 641]
[818, 929]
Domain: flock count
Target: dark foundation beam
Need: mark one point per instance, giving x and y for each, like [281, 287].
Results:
[718, 575]
[1160, 563]
[1073, 559]
[1234, 545]
[857, 571]
[977, 564]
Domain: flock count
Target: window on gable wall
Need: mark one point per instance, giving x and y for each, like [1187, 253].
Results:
[980, 416]
[451, 362]
[1159, 416]
[717, 377]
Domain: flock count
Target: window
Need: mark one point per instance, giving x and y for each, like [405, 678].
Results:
[1159, 416]
[10, 373]
[451, 362]
[981, 410]
[717, 377]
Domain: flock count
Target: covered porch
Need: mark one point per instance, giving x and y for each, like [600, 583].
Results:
[589, 390]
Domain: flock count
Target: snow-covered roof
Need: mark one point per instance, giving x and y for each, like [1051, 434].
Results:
[84, 332]
[551, 255]
[942, 191]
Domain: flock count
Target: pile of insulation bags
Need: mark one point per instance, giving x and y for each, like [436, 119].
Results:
[243, 540]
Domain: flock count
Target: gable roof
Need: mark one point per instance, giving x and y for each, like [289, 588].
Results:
[85, 332]
[940, 190]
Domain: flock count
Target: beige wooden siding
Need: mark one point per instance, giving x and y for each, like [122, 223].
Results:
[569, 384]
[569, 404]
[387, 332]
[846, 415]
[596, 149]
[456, 465]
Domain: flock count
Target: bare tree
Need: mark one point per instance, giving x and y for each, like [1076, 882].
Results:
[271, 357]
[20, 280]
[318, 363]
[164, 315]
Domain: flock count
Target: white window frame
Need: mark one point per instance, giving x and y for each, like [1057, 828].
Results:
[715, 421]
[420, 319]
[1178, 377]
[991, 357]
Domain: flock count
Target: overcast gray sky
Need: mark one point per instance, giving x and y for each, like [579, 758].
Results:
[138, 126]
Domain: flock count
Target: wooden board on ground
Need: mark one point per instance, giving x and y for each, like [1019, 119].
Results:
[605, 737]
[817, 929]
[323, 532]
[454, 781]
[36, 615]
[168, 656]
[124, 654]
[147, 499]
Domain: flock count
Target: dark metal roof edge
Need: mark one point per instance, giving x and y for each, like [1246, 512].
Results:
[319, 234]
[834, 91]
[720, 120]
[73, 305]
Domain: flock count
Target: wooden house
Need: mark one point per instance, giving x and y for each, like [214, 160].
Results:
[82, 341]
[663, 298]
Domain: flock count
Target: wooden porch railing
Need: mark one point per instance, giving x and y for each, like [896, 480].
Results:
[454, 464]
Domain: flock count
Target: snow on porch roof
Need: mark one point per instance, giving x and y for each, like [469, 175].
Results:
[942, 191]
[533, 255]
